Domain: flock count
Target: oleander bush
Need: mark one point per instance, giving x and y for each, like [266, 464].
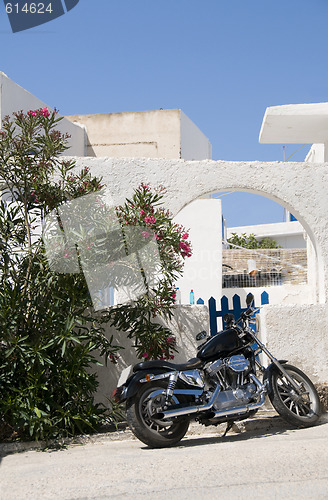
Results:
[151, 339]
[50, 333]
[48, 330]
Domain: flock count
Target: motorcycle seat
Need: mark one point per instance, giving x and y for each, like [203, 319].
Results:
[192, 364]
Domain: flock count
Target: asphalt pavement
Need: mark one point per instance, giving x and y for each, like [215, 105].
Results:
[261, 458]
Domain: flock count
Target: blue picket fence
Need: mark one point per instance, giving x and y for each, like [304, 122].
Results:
[236, 310]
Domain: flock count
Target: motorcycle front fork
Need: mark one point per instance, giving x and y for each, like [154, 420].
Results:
[274, 360]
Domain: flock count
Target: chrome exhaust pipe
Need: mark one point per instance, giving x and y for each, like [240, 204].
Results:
[237, 410]
[187, 410]
[240, 410]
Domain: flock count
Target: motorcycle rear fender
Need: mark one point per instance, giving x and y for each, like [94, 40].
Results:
[132, 385]
[267, 378]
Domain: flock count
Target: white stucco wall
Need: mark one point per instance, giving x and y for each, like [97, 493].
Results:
[300, 187]
[317, 153]
[194, 144]
[160, 133]
[15, 98]
[153, 134]
[186, 322]
[202, 271]
[299, 335]
[284, 294]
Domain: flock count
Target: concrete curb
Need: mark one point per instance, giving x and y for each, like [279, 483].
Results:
[264, 420]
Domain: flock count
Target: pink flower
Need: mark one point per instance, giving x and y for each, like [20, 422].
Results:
[184, 246]
[145, 355]
[141, 213]
[170, 339]
[145, 234]
[150, 219]
[185, 236]
[66, 255]
[113, 358]
[45, 112]
[145, 187]
[185, 249]
[32, 113]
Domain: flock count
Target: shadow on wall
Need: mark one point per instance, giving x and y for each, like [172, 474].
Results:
[185, 324]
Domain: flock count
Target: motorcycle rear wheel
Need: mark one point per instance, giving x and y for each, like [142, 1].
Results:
[300, 410]
[151, 431]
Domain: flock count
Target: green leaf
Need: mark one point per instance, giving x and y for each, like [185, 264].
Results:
[37, 412]
[63, 348]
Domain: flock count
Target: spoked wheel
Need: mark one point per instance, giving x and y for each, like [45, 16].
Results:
[141, 416]
[300, 408]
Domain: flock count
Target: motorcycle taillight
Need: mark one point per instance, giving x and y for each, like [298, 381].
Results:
[117, 393]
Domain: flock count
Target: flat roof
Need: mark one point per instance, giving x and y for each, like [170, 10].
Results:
[273, 229]
[295, 124]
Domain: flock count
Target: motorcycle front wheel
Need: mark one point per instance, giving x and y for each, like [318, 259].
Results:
[140, 412]
[300, 408]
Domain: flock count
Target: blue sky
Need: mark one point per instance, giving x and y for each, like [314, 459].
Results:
[221, 61]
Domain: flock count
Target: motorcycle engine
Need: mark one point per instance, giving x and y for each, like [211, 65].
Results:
[232, 375]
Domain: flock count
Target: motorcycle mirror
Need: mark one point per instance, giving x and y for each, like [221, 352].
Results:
[249, 299]
[201, 335]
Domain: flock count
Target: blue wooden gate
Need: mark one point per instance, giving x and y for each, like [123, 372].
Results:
[236, 310]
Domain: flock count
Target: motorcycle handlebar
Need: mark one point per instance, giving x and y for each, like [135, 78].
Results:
[246, 314]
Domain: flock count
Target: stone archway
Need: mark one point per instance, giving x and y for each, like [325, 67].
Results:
[297, 333]
[300, 187]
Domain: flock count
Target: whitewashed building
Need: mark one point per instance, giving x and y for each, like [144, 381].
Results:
[296, 332]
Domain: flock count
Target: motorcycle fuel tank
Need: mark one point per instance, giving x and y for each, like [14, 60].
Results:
[222, 344]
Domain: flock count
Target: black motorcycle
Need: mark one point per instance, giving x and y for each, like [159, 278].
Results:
[226, 382]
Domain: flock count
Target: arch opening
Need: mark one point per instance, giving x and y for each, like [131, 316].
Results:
[286, 205]
[290, 272]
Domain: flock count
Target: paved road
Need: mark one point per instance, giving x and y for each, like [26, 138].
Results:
[269, 463]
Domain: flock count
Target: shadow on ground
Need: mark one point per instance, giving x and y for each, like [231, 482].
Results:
[250, 429]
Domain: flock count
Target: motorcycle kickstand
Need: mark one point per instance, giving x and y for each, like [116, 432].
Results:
[237, 428]
[229, 426]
